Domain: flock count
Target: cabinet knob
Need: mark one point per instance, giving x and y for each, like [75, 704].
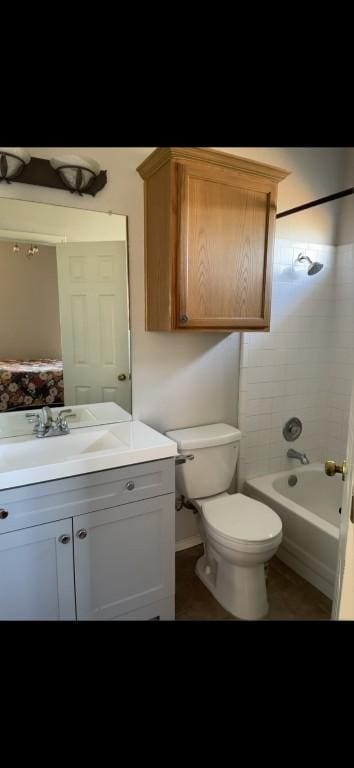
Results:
[64, 539]
[183, 318]
[3, 514]
[130, 485]
[82, 533]
[121, 377]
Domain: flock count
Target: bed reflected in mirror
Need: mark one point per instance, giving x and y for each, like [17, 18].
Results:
[64, 312]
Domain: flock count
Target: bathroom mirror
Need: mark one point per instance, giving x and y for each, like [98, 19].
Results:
[64, 314]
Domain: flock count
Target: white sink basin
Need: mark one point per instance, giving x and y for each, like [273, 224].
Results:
[29, 459]
[36, 452]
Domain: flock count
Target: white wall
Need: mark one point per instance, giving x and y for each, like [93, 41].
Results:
[179, 381]
[176, 381]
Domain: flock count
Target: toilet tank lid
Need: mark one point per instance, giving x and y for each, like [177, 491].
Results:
[204, 437]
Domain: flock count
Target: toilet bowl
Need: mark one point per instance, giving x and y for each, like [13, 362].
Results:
[240, 535]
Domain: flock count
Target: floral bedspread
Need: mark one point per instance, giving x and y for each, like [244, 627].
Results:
[29, 383]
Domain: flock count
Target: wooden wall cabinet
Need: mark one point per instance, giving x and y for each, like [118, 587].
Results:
[209, 236]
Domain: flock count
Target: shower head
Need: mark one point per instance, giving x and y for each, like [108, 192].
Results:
[314, 266]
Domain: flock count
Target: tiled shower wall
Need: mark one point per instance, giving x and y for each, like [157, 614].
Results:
[303, 366]
[340, 349]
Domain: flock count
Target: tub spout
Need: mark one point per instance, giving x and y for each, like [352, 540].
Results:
[292, 454]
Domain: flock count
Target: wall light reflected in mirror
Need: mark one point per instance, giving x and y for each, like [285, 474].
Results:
[32, 250]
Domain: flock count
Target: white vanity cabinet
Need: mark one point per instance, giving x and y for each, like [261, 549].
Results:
[98, 546]
[37, 574]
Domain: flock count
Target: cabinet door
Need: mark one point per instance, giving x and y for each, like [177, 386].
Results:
[124, 557]
[226, 233]
[37, 573]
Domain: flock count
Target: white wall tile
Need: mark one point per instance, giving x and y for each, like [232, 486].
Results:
[304, 366]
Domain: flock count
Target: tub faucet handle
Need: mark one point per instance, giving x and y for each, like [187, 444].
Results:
[331, 468]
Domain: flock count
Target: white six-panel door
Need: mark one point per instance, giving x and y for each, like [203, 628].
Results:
[37, 573]
[93, 301]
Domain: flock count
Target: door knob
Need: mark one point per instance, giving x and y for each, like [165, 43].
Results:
[81, 534]
[331, 468]
[122, 377]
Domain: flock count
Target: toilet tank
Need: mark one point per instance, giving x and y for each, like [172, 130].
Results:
[215, 449]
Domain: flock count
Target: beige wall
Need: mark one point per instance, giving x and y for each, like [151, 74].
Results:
[177, 380]
[29, 303]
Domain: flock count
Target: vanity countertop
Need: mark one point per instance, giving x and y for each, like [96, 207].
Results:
[27, 460]
[15, 423]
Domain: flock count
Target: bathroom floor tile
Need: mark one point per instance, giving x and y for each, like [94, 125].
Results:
[291, 598]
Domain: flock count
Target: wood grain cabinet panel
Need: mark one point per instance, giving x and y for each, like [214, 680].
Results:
[209, 236]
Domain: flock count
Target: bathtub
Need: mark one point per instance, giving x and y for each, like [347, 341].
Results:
[309, 511]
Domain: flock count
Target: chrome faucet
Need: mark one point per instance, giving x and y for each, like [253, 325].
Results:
[46, 426]
[292, 454]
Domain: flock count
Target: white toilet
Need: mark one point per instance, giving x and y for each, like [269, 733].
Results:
[240, 535]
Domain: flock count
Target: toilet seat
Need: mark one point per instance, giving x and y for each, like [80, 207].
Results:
[241, 522]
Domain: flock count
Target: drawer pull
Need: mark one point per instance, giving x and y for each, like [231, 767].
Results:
[82, 533]
[64, 539]
[3, 514]
[130, 485]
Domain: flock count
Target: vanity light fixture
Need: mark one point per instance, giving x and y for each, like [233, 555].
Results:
[76, 172]
[71, 172]
[12, 162]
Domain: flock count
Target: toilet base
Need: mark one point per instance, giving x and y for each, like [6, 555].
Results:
[240, 590]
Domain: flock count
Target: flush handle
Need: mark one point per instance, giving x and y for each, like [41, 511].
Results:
[181, 459]
[331, 468]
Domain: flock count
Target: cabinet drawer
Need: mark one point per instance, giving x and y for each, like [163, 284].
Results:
[68, 497]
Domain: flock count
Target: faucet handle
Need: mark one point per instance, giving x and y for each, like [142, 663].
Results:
[33, 418]
[61, 421]
[46, 415]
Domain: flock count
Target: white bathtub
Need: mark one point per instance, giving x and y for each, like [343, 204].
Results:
[310, 514]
